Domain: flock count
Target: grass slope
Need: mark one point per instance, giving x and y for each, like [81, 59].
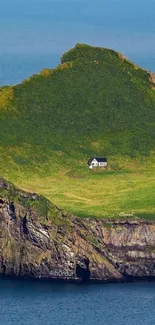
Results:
[95, 102]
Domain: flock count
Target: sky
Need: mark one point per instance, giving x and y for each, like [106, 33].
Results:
[34, 34]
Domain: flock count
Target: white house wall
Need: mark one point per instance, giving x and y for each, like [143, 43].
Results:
[102, 164]
[96, 164]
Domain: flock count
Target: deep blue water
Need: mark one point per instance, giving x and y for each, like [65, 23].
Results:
[36, 303]
[35, 33]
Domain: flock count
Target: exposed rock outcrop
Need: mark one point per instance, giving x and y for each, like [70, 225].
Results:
[39, 240]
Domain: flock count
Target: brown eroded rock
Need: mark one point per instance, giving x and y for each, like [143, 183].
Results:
[37, 239]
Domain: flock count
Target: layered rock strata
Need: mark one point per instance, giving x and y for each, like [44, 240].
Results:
[39, 240]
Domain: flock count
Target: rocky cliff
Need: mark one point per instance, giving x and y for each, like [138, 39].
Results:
[37, 239]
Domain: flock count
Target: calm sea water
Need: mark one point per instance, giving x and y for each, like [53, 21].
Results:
[35, 303]
[35, 33]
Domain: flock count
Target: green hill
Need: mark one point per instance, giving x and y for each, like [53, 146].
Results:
[95, 102]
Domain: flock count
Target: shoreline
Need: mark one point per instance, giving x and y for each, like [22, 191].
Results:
[77, 281]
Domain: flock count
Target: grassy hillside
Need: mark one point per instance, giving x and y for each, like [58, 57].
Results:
[95, 102]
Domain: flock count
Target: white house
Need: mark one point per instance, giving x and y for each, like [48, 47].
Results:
[97, 162]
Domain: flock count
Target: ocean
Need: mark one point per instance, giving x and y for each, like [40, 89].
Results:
[35, 33]
[45, 303]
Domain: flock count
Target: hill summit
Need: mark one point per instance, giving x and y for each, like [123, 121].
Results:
[95, 94]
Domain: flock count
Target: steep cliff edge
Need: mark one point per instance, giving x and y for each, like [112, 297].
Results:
[37, 239]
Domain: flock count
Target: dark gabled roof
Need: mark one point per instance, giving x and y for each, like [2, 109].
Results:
[98, 160]
[101, 159]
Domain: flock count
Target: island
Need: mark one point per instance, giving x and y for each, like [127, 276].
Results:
[84, 224]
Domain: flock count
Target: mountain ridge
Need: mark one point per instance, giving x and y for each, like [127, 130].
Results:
[88, 102]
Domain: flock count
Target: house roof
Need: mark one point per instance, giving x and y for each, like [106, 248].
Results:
[98, 160]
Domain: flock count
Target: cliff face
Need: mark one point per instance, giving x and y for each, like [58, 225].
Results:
[39, 240]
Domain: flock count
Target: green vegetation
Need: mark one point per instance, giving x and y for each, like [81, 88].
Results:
[38, 203]
[95, 103]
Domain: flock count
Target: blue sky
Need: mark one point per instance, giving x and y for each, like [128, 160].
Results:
[44, 29]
